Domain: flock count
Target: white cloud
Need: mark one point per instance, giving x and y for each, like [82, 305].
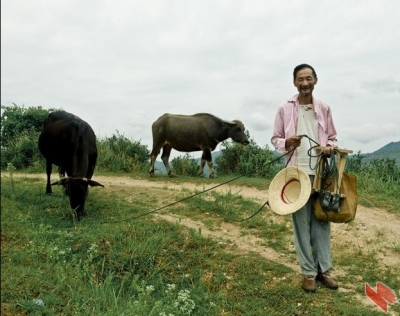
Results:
[122, 64]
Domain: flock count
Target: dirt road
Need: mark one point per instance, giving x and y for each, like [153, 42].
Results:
[373, 229]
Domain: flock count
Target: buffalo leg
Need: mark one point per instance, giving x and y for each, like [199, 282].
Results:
[201, 169]
[153, 157]
[61, 172]
[210, 166]
[48, 172]
[206, 157]
[165, 157]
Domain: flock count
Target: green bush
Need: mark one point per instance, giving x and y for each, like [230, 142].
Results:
[354, 163]
[118, 153]
[186, 165]
[379, 178]
[384, 169]
[16, 120]
[22, 151]
[251, 160]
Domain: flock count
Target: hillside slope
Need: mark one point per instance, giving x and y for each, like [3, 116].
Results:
[391, 150]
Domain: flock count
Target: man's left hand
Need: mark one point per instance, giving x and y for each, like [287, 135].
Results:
[328, 150]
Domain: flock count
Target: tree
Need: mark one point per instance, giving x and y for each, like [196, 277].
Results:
[20, 129]
[16, 120]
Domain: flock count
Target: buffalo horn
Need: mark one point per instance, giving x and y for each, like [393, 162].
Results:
[229, 122]
[94, 183]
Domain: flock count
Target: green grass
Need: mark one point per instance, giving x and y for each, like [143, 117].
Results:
[146, 266]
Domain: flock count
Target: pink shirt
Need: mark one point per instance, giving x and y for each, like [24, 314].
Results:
[285, 125]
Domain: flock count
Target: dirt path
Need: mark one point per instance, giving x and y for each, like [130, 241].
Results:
[373, 229]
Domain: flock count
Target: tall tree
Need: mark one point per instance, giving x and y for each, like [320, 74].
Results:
[16, 119]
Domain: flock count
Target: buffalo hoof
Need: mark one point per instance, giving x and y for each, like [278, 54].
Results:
[171, 175]
[152, 175]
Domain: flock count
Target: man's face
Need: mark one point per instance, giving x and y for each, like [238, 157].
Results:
[305, 81]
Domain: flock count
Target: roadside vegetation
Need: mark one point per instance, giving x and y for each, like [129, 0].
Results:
[378, 180]
[112, 263]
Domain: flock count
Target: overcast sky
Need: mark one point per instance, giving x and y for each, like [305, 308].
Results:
[120, 65]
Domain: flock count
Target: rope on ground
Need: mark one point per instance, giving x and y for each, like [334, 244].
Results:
[196, 194]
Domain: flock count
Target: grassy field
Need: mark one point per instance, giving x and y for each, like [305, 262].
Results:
[112, 263]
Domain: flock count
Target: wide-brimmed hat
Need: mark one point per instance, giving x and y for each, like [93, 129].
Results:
[289, 191]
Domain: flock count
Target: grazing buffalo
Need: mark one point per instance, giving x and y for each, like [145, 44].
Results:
[70, 143]
[189, 133]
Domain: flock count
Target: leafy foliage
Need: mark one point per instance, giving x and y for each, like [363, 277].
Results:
[22, 151]
[185, 165]
[379, 178]
[251, 160]
[20, 129]
[16, 120]
[118, 153]
[384, 169]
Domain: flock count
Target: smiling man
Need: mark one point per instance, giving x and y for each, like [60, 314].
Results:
[305, 115]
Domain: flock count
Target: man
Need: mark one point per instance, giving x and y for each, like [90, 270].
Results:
[305, 115]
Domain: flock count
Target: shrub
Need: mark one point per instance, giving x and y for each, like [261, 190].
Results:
[186, 165]
[118, 153]
[251, 160]
[22, 151]
[16, 120]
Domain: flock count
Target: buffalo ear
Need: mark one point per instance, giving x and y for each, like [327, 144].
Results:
[94, 183]
[62, 181]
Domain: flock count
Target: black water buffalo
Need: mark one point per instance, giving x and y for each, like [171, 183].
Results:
[189, 133]
[70, 143]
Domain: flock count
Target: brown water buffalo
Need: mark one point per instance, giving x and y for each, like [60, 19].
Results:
[70, 143]
[187, 133]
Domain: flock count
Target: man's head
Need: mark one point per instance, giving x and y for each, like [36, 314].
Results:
[304, 79]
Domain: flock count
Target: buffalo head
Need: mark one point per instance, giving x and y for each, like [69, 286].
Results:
[77, 191]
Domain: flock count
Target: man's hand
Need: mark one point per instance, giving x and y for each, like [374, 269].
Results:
[328, 150]
[293, 141]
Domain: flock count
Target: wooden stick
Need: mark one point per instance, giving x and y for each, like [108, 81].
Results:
[340, 164]
[341, 150]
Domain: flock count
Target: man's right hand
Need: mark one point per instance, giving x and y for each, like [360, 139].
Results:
[293, 141]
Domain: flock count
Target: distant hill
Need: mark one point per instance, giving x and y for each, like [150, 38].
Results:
[391, 150]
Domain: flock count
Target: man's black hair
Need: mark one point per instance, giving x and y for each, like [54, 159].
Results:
[302, 66]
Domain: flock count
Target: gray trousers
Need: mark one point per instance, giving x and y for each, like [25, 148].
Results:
[312, 240]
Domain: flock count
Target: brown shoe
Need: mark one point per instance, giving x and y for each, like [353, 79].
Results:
[309, 283]
[326, 280]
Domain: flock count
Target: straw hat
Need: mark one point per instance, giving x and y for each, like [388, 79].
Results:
[289, 191]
